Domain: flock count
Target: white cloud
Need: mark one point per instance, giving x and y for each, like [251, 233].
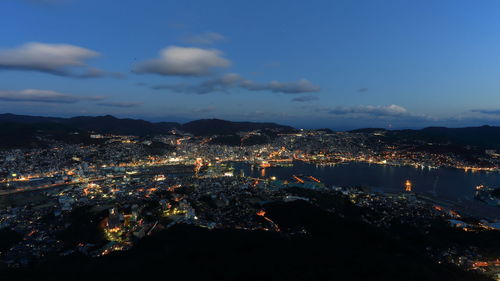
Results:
[44, 96]
[58, 59]
[183, 61]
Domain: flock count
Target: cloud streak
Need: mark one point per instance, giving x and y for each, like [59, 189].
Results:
[487, 111]
[232, 80]
[378, 110]
[58, 59]
[305, 99]
[46, 2]
[204, 109]
[206, 38]
[298, 87]
[183, 61]
[120, 104]
[43, 96]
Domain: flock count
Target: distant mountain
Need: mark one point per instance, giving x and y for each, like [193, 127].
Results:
[100, 124]
[484, 136]
[487, 137]
[20, 135]
[28, 119]
[326, 130]
[368, 130]
[206, 127]
[168, 125]
[111, 125]
[14, 127]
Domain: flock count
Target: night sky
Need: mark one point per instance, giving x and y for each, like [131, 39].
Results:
[337, 64]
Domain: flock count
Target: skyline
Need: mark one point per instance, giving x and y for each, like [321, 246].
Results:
[341, 64]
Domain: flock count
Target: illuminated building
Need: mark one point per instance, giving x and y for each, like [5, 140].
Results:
[408, 186]
[113, 219]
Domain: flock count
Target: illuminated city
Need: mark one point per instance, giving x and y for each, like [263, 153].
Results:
[132, 191]
[263, 140]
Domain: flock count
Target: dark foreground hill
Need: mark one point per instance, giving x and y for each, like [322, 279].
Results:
[325, 247]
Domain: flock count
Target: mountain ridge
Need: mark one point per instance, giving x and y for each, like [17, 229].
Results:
[108, 124]
[486, 136]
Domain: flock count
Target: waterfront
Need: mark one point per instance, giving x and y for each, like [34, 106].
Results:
[445, 183]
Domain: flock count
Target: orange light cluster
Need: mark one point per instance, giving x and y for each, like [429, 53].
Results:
[314, 179]
[486, 263]
[150, 191]
[173, 187]
[298, 179]
[265, 165]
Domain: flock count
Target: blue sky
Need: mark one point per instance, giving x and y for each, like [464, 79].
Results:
[338, 64]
